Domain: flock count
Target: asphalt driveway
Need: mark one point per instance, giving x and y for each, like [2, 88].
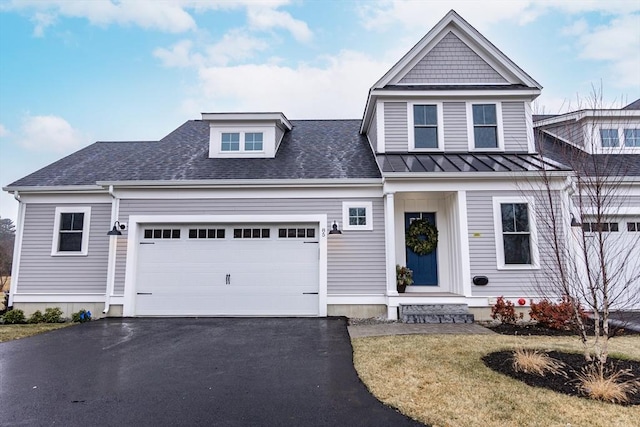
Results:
[210, 371]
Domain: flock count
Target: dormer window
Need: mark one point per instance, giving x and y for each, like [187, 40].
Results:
[230, 142]
[609, 137]
[246, 135]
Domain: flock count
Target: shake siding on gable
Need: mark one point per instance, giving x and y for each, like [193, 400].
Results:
[515, 127]
[482, 248]
[395, 127]
[42, 273]
[452, 61]
[356, 259]
[455, 126]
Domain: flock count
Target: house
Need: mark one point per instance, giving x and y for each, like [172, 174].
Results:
[238, 214]
[602, 147]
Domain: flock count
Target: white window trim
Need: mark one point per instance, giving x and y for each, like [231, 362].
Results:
[597, 147]
[499, 241]
[368, 214]
[242, 132]
[86, 210]
[470, 127]
[410, 126]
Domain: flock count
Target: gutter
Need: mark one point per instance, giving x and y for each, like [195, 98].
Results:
[113, 247]
[226, 183]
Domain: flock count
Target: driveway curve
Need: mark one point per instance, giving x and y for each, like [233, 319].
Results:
[178, 371]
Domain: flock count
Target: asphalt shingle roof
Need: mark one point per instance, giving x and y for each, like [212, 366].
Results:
[314, 149]
[588, 164]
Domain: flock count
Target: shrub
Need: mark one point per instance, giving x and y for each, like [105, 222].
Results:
[52, 315]
[504, 311]
[554, 315]
[36, 317]
[13, 317]
[81, 316]
[535, 362]
[607, 386]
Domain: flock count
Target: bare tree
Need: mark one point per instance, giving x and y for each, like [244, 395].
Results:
[587, 261]
[7, 238]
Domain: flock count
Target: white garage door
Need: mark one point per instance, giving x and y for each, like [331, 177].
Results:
[622, 241]
[222, 270]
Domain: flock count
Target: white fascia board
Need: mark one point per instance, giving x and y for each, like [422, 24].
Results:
[524, 94]
[56, 189]
[235, 183]
[582, 114]
[243, 117]
[622, 211]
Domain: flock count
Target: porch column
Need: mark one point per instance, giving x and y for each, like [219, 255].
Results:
[390, 243]
[463, 243]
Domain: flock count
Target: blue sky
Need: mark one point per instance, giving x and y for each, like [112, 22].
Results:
[75, 72]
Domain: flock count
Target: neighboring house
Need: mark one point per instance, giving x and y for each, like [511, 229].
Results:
[602, 147]
[254, 214]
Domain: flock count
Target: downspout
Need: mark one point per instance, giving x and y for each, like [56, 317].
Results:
[17, 249]
[113, 247]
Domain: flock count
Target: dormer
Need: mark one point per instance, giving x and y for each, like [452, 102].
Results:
[245, 135]
[597, 131]
[454, 91]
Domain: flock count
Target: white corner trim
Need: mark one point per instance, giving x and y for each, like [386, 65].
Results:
[528, 115]
[411, 125]
[498, 235]
[86, 229]
[367, 205]
[17, 251]
[390, 242]
[465, 254]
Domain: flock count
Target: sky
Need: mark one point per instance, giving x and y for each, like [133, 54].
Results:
[76, 72]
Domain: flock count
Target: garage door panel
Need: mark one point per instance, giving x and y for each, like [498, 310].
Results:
[263, 276]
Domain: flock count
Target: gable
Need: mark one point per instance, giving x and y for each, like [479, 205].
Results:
[451, 61]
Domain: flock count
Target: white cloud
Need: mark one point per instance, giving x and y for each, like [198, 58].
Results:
[49, 133]
[178, 55]
[618, 44]
[577, 28]
[264, 18]
[334, 90]
[3, 131]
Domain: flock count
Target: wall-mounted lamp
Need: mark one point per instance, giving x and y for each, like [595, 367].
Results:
[574, 222]
[115, 231]
[334, 229]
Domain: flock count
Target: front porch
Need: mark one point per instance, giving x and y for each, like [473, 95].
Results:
[443, 277]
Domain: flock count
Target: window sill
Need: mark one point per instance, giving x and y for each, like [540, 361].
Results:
[69, 254]
[508, 267]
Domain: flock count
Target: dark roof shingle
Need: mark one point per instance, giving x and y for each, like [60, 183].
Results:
[314, 149]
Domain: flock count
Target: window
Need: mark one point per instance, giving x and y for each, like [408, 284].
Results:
[609, 137]
[253, 141]
[71, 231]
[206, 233]
[515, 234]
[632, 137]
[230, 142]
[425, 126]
[633, 227]
[162, 233]
[357, 215]
[603, 227]
[251, 233]
[299, 233]
[485, 126]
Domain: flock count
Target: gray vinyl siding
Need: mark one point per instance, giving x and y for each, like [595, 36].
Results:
[482, 247]
[607, 200]
[42, 273]
[395, 127]
[452, 61]
[356, 259]
[515, 127]
[455, 126]
[571, 132]
[372, 132]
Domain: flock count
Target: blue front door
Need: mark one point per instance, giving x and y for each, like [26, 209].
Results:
[425, 267]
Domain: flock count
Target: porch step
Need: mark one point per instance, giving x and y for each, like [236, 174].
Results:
[435, 313]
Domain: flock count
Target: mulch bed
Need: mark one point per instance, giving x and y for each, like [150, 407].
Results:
[502, 362]
[533, 329]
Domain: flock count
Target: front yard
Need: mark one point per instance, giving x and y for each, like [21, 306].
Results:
[441, 380]
[13, 332]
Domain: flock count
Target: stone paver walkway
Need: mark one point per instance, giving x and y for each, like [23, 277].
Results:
[358, 331]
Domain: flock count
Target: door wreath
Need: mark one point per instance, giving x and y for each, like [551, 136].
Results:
[421, 237]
